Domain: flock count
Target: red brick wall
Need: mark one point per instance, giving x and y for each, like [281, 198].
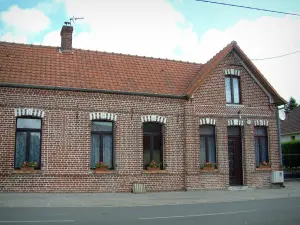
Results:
[66, 137]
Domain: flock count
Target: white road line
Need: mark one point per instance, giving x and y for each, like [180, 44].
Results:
[40, 221]
[198, 215]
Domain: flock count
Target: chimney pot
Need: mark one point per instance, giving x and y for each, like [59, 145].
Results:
[66, 38]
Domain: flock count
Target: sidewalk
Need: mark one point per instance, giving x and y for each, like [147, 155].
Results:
[292, 189]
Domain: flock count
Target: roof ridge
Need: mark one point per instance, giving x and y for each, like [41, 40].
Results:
[105, 52]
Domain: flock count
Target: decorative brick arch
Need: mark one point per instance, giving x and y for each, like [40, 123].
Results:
[264, 123]
[235, 122]
[154, 118]
[29, 112]
[208, 121]
[103, 116]
[233, 72]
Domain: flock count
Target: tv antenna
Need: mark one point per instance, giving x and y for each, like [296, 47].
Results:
[72, 20]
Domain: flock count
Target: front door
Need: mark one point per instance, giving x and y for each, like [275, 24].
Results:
[235, 156]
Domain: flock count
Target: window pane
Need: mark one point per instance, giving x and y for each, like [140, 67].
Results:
[20, 149]
[95, 150]
[257, 151]
[107, 150]
[29, 123]
[211, 149]
[156, 156]
[157, 142]
[234, 131]
[260, 131]
[152, 128]
[228, 89]
[207, 130]
[236, 90]
[264, 149]
[146, 150]
[35, 147]
[202, 151]
[101, 126]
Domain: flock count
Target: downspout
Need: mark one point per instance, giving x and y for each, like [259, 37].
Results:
[185, 147]
[279, 137]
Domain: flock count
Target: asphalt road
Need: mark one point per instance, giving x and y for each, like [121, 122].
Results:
[275, 211]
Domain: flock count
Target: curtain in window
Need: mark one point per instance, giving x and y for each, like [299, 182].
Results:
[35, 147]
[211, 149]
[228, 90]
[257, 151]
[20, 149]
[202, 151]
[263, 149]
[236, 91]
[107, 150]
[95, 150]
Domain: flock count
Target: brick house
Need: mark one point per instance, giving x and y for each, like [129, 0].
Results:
[68, 109]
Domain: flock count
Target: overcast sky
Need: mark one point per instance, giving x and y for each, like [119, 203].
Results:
[177, 29]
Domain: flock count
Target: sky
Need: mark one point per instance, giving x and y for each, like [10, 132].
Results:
[186, 30]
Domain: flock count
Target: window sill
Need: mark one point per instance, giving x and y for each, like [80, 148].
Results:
[264, 169]
[234, 105]
[104, 172]
[209, 171]
[26, 171]
[155, 171]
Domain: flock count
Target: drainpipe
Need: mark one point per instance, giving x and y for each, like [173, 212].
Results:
[185, 146]
[279, 137]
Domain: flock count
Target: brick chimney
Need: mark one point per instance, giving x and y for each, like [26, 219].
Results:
[66, 38]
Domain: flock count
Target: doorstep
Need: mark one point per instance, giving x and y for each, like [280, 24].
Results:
[238, 188]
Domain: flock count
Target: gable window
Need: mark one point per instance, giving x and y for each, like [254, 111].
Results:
[28, 141]
[261, 145]
[207, 144]
[102, 143]
[232, 84]
[152, 143]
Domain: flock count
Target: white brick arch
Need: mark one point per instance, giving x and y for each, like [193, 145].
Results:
[264, 123]
[208, 121]
[235, 122]
[232, 72]
[154, 118]
[103, 116]
[29, 112]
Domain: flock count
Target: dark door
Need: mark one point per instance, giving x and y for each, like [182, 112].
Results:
[235, 156]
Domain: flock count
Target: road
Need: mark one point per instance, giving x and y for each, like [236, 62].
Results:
[266, 212]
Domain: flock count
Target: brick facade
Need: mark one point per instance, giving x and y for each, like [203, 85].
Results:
[66, 136]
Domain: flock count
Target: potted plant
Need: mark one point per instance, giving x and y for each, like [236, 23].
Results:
[264, 164]
[154, 165]
[101, 166]
[27, 166]
[209, 166]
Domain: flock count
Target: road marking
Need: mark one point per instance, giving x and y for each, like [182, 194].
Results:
[40, 221]
[198, 215]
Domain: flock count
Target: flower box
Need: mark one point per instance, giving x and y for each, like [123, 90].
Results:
[27, 168]
[261, 166]
[209, 168]
[101, 169]
[153, 168]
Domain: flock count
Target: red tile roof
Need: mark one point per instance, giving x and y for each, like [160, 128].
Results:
[291, 124]
[45, 66]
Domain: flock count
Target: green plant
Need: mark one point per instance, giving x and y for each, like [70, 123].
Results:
[101, 165]
[29, 164]
[154, 164]
[209, 164]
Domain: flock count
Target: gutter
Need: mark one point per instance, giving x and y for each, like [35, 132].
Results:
[93, 90]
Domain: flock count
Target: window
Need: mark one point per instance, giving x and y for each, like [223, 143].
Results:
[232, 84]
[261, 145]
[293, 138]
[207, 144]
[28, 141]
[102, 143]
[152, 143]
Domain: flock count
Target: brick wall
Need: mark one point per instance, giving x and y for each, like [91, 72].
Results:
[66, 137]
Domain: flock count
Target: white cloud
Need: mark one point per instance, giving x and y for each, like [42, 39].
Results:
[24, 20]
[52, 38]
[10, 37]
